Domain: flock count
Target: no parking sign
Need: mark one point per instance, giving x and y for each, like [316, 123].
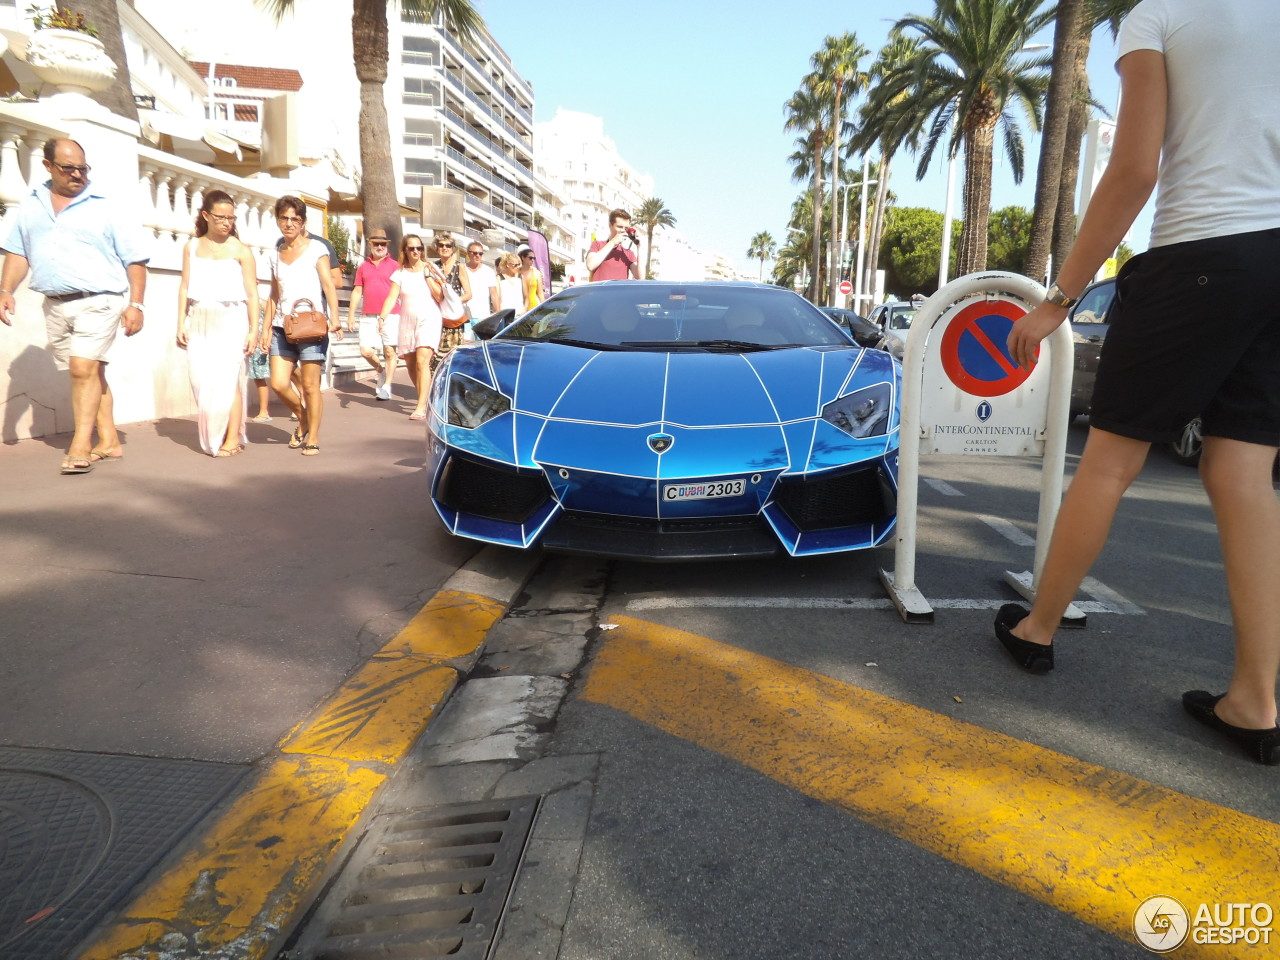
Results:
[975, 400]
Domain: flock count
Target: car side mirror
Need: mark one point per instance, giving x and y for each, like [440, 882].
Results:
[488, 328]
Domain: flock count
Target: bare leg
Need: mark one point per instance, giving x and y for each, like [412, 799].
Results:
[1109, 464]
[392, 362]
[231, 441]
[411, 364]
[371, 357]
[282, 384]
[1237, 477]
[313, 411]
[88, 386]
[423, 380]
[108, 438]
[263, 397]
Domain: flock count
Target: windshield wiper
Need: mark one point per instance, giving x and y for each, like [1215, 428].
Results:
[743, 345]
[588, 344]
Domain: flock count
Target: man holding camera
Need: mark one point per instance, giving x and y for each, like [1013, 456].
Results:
[615, 258]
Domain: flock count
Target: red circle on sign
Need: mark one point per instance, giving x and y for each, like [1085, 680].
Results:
[846, 287]
[965, 323]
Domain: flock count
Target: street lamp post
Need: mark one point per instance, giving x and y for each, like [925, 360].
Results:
[862, 236]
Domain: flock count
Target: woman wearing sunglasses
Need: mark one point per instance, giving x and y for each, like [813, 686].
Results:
[218, 323]
[531, 278]
[460, 280]
[417, 287]
[299, 271]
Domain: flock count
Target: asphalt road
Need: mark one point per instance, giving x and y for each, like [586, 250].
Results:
[760, 759]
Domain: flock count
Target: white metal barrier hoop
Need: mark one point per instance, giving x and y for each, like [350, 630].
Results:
[963, 394]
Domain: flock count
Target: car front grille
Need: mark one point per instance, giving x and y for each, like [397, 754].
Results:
[498, 493]
[846, 500]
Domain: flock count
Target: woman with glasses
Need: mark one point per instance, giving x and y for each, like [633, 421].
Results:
[218, 323]
[460, 280]
[531, 278]
[510, 284]
[417, 287]
[299, 271]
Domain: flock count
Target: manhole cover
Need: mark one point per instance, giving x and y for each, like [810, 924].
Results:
[426, 883]
[77, 831]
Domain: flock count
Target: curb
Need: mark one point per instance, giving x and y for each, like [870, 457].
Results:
[238, 887]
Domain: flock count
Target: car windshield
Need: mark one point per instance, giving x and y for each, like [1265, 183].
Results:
[900, 317]
[659, 316]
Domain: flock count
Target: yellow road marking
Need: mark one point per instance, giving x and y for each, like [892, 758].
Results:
[259, 864]
[1089, 841]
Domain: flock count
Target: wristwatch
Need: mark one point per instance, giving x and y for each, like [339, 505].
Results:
[1055, 296]
[137, 306]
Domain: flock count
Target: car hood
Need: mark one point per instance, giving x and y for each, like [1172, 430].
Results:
[723, 412]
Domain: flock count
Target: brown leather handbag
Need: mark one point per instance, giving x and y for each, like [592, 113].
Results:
[305, 323]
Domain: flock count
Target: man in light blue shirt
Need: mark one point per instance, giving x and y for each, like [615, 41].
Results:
[92, 271]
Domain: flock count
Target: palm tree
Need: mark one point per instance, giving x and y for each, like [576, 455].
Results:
[970, 66]
[652, 214]
[369, 44]
[1096, 13]
[1053, 139]
[762, 247]
[836, 68]
[882, 121]
[104, 16]
[806, 112]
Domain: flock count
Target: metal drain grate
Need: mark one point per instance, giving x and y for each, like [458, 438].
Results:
[78, 830]
[427, 883]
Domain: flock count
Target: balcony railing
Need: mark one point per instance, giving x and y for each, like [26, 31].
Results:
[490, 208]
[480, 171]
[483, 137]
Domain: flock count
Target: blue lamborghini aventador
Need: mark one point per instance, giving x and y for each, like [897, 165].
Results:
[663, 421]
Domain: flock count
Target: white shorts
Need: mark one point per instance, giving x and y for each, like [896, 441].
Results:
[84, 328]
[370, 339]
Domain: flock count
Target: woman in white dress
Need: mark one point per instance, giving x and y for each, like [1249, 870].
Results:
[218, 322]
[299, 271]
[417, 285]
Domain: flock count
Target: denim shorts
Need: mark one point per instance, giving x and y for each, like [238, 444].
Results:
[1195, 332]
[307, 352]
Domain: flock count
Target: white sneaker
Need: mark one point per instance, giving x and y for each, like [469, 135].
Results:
[383, 392]
[382, 379]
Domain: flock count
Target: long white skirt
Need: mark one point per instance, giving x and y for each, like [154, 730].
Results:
[215, 358]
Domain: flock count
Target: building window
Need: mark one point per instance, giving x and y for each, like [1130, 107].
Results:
[420, 172]
[419, 133]
[419, 50]
[420, 91]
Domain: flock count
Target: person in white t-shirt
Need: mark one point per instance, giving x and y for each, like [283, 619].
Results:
[484, 283]
[1200, 123]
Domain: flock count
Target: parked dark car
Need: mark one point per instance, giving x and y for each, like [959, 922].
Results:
[1090, 321]
[864, 332]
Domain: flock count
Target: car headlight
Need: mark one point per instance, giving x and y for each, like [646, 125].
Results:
[472, 403]
[863, 413]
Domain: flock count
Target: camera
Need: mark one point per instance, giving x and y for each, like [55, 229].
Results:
[632, 236]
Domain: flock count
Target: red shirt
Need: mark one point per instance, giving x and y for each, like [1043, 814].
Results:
[616, 266]
[374, 281]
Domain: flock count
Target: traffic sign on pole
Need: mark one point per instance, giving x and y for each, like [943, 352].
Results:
[846, 288]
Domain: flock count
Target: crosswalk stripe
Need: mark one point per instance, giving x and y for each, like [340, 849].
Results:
[1086, 840]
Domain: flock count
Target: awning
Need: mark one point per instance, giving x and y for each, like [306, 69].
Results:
[191, 139]
[348, 204]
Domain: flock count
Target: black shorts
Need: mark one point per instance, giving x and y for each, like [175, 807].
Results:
[1195, 332]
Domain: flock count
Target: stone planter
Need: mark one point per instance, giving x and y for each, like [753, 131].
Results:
[71, 61]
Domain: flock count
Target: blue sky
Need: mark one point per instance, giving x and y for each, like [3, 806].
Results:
[692, 95]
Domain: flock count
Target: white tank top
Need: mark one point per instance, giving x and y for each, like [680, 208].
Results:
[299, 281]
[211, 279]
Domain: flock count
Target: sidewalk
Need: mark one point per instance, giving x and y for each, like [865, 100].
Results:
[203, 612]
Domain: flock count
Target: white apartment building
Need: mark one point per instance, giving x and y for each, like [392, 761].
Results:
[575, 154]
[461, 119]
